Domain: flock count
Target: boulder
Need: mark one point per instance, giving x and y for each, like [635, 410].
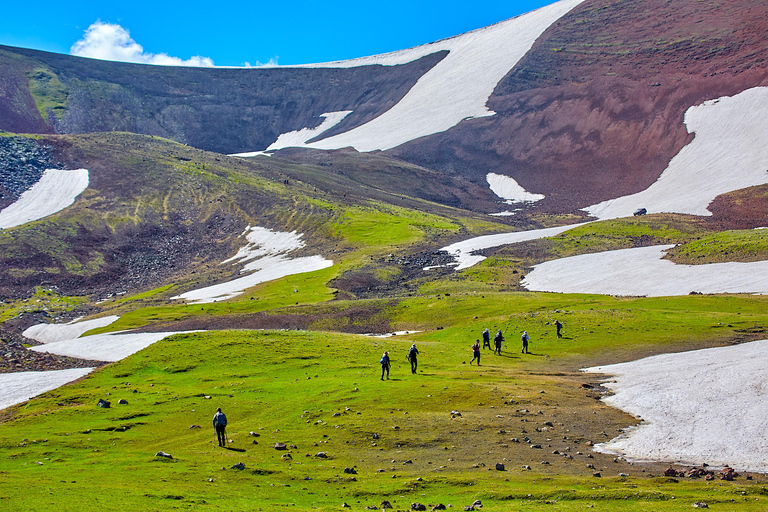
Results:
[103, 404]
[281, 446]
[500, 467]
[239, 465]
[163, 454]
[418, 506]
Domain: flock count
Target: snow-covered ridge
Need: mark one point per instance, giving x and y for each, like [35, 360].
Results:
[642, 271]
[456, 88]
[55, 191]
[699, 406]
[728, 153]
[265, 258]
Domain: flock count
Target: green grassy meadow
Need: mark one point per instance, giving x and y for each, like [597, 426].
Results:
[434, 437]
[321, 392]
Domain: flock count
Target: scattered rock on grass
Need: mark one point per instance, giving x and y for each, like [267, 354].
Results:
[163, 454]
[418, 506]
[103, 404]
[281, 446]
[386, 504]
[239, 465]
[700, 504]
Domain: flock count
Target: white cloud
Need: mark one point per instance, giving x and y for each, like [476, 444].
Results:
[271, 63]
[109, 41]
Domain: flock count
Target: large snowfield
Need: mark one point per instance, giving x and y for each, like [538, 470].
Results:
[728, 153]
[642, 271]
[475, 64]
[701, 406]
[55, 191]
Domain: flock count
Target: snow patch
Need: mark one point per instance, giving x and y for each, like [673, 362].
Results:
[729, 153]
[104, 347]
[463, 251]
[49, 333]
[700, 406]
[642, 271]
[299, 138]
[21, 386]
[510, 190]
[55, 191]
[456, 88]
[265, 259]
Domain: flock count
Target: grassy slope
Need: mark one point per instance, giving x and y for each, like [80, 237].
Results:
[287, 386]
[266, 380]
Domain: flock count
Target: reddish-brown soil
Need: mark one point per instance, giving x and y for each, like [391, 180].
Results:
[595, 110]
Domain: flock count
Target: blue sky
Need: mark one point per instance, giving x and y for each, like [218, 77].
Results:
[235, 33]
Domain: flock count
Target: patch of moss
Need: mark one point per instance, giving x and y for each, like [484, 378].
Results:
[48, 91]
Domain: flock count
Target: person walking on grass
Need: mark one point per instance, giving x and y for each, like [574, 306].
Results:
[486, 338]
[558, 326]
[475, 352]
[220, 425]
[385, 365]
[525, 338]
[497, 342]
[412, 353]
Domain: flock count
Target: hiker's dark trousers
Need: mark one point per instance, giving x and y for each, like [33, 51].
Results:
[221, 434]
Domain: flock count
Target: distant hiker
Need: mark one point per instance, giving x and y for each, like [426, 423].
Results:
[385, 365]
[497, 342]
[412, 353]
[486, 338]
[475, 352]
[559, 326]
[220, 425]
[525, 339]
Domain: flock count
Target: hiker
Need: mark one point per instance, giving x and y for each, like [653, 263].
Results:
[525, 339]
[558, 326]
[497, 342]
[412, 353]
[475, 352]
[385, 365]
[486, 338]
[220, 425]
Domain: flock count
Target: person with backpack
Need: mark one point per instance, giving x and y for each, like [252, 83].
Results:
[486, 338]
[525, 338]
[220, 425]
[384, 365]
[558, 326]
[475, 352]
[497, 342]
[412, 353]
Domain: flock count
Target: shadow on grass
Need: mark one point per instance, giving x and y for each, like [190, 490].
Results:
[234, 449]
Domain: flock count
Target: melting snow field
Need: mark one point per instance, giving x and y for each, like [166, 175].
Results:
[507, 188]
[265, 254]
[702, 406]
[463, 251]
[456, 88]
[20, 387]
[729, 153]
[300, 138]
[641, 271]
[49, 333]
[103, 347]
[55, 191]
